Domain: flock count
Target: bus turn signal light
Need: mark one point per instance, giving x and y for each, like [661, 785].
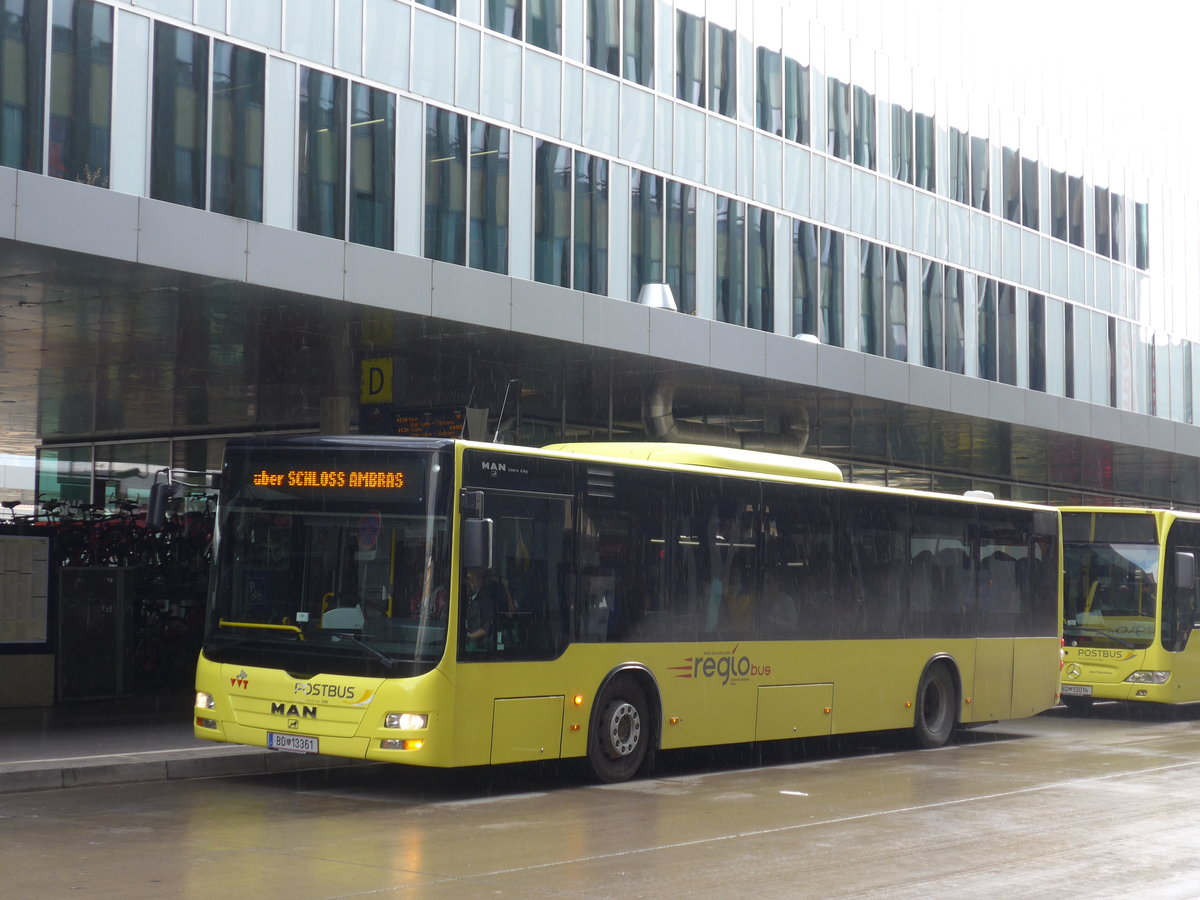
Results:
[577, 699]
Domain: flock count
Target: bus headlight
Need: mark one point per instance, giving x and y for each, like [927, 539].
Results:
[205, 700]
[406, 721]
[1148, 676]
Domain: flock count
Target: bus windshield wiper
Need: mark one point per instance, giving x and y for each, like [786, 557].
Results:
[1085, 629]
[388, 661]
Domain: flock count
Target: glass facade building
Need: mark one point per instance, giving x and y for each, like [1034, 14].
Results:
[930, 268]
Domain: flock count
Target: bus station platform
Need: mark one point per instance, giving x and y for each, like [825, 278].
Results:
[131, 740]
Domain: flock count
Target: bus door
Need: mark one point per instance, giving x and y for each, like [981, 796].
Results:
[1181, 615]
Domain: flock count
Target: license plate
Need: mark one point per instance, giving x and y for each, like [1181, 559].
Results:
[292, 743]
[1077, 690]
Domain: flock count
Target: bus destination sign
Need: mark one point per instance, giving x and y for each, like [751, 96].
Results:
[319, 479]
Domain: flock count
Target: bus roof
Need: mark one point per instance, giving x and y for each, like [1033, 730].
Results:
[709, 457]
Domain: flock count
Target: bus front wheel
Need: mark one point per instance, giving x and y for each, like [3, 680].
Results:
[620, 732]
[937, 701]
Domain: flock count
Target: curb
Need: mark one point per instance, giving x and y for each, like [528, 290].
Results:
[162, 765]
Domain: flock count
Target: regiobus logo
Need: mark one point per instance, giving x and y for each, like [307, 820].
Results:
[727, 666]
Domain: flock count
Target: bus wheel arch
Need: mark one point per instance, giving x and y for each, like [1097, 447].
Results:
[936, 709]
[623, 729]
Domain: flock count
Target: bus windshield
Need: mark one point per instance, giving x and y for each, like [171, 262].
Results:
[335, 564]
[1109, 594]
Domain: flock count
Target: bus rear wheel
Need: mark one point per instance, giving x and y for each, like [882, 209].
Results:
[620, 734]
[937, 701]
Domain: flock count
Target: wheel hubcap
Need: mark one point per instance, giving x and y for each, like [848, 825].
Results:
[624, 729]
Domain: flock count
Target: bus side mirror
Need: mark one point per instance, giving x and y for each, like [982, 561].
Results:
[1185, 570]
[156, 507]
[477, 543]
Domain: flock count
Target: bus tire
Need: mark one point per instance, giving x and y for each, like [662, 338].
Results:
[936, 707]
[621, 731]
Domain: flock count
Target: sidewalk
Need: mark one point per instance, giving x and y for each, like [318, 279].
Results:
[135, 739]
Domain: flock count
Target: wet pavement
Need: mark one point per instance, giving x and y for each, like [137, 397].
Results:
[119, 741]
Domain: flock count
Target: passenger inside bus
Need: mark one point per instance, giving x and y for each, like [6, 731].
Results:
[486, 596]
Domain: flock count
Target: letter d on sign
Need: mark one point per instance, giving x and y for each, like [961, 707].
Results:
[375, 384]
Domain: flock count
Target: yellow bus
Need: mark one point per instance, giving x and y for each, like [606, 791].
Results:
[1129, 606]
[445, 603]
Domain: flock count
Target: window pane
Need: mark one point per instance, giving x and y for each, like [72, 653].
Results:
[1117, 229]
[689, 58]
[1102, 221]
[681, 244]
[81, 54]
[955, 336]
[896, 298]
[447, 6]
[722, 73]
[239, 86]
[23, 76]
[1006, 333]
[798, 112]
[322, 163]
[870, 300]
[489, 197]
[760, 270]
[804, 279]
[1075, 209]
[646, 231]
[591, 224]
[933, 331]
[544, 26]
[864, 128]
[960, 166]
[832, 289]
[552, 214]
[838, 114]
[1058, 205]
[602, 28]
[1141, 235]
[769, 92]
[372, 167]
[731, 261]
[1069, 348]
[445, 186]
[1029, 193]
[926, 165]
[981, 179]
[986, 325]
[902, 144]
[638, 37]
[180, 117]
[1037, 342]
[503, 16]
[1011, 173]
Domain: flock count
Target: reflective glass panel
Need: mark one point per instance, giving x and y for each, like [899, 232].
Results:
[81, 58]
[543, 26]
[955, 330]
[769, 91]
[689, 58]
[1037, 342]
[986, 327]
[902, 144]
[959, 166]
[1102, 222]
[23, 76]
[552, 214]
[805, 273]
[681, 244]
[1141, 235]
[1006, 333]
[603, 28]
[981, 178]
[239, 88]
[322, 156]
[870, 298]
[489, 197]
[646, 230]
[1117, 226]
[1075, 209]
[503, 16]
[637, 30]
[591, 223]
[896, 304]
[372, 166]
[832, 302]
[864, 128]
[933, 331]
[797, 109]
[1011, 175]
[731, 261]
[837, 141]
[179, 133]
[722, 71]
[925, 156]
[1029, 193]
[445, 186]
[760, 269]
[1058, 205]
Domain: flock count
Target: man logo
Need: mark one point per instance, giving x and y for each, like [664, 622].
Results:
[293, 709]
